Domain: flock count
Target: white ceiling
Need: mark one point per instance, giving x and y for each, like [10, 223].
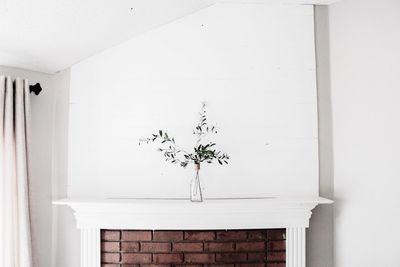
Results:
[51, 35]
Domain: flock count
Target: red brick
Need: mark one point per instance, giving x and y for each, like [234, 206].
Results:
[250, 246]
[136, 235]
[276, 234]
[136, 258]
[167, 258]
[187, 247]
[275, 264]
[199, 257]
[256, 256]
[276, 245]
[233, 248]
[110, 257]
[109, 246]
[251, 265]
[256, 234]
[168, 235]
[109, 235]
[130, 246]
[219, 246]
[231, 235]
[231, 257]
[155, 247]
[200, 235]
[276, 256]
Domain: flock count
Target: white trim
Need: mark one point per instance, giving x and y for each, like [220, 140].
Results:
[299, 2]
[90, 247]
[296, 247]
[181, 214]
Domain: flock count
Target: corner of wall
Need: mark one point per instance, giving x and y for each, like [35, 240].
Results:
[320, 244]
[65, 237]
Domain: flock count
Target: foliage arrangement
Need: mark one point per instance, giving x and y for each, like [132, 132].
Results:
[202, 152]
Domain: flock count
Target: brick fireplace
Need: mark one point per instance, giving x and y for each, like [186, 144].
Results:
[272, 231]
[231, 248]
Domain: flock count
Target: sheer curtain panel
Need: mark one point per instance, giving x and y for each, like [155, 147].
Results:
[15, 233]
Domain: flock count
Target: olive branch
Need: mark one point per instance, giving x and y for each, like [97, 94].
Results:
[202, 152]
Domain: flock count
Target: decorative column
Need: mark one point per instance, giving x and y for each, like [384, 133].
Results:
[296, 247]
[90, 247]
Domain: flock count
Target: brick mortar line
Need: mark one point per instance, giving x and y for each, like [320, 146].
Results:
[199, 252]
[191, 252]
[202, 241]
[195, 241]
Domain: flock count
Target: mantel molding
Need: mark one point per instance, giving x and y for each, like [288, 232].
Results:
[182, 214]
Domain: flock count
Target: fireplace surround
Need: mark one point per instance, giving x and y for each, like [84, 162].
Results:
[115, 231]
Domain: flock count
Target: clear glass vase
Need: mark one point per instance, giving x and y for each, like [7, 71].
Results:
[195, 186]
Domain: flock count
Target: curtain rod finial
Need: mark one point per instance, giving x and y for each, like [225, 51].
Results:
[35, 88]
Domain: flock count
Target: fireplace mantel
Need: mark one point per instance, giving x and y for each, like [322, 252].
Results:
[171, 214]
[292, 213]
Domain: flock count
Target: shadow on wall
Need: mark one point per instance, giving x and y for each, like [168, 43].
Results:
[320, 235]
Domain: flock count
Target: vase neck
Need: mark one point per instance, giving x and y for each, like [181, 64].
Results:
[197, 166]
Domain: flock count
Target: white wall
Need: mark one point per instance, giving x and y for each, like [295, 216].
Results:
[320, 235]
[252, 63]
[42, 179]
[65, 234]
[365, 64]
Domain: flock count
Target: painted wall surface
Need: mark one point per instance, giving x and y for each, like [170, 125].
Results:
[253, 64]
[365, 64]
[42, 160]
[320, 235]
[66, 237]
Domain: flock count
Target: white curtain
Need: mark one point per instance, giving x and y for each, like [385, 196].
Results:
[15, 234]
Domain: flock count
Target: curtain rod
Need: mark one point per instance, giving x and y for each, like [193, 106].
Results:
[35, 88]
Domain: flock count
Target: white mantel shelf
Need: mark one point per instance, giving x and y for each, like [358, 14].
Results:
[173, 214]
[293, 213]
